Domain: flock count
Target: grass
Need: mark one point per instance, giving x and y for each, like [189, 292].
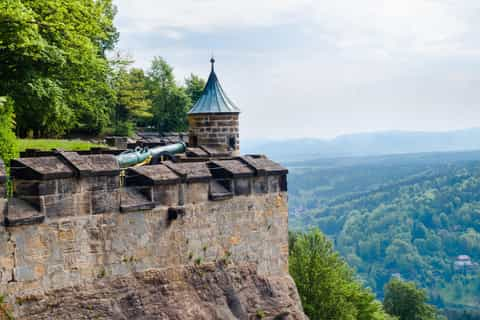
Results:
[49, 144]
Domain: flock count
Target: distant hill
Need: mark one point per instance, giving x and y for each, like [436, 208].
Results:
[365, 144]
[409, 215]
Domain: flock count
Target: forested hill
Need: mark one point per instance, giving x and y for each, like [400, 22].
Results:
[409, 216]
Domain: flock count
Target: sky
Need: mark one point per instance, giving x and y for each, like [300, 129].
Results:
[313, 68]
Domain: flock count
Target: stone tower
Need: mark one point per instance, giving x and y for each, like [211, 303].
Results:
[213, 120]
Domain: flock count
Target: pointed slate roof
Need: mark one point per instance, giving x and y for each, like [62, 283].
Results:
[214, 99]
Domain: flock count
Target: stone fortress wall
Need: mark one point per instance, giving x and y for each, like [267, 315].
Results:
[75, 220]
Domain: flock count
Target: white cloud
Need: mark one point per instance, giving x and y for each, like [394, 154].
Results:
[206, 15]
[424, 26]
[320, 68]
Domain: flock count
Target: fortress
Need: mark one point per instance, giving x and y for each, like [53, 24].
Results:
[202, 235]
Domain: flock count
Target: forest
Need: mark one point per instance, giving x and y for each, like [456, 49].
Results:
[406, 216]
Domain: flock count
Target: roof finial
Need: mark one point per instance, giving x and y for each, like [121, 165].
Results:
[212, 61]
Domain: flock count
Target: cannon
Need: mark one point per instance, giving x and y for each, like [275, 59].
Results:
[144, 155]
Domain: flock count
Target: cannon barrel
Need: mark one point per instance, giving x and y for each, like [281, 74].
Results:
[139, 155]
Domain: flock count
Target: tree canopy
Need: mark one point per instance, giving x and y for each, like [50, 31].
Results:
[327, 286]
[407, 302]
[54, 65]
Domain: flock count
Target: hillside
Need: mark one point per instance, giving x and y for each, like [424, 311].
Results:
[407, 216]
[365, 144]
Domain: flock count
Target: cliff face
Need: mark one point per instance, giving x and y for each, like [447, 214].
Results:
[209, 291]
[88, 247]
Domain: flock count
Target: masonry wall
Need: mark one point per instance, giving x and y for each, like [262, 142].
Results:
[66, 251]
[75, 227]
[63, 227]
[215, 130]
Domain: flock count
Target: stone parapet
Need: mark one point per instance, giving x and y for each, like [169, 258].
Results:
[68, 184]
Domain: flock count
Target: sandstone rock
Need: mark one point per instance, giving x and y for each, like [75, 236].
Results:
[191, 292]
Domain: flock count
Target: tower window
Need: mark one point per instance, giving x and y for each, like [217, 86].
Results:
[194, 141]
[232, 142]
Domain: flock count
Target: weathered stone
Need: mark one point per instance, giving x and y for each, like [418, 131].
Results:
[166, 195]
[67, 253]
[20, 212]
[243, 186]
[151, 175]
[214, 130]
[132, 200]
[260, 184]
[105, 201]
[41, 168]
[198, 293]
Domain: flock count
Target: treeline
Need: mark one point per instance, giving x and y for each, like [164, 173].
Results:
[58, 79]
[413, 222]
[329, 288]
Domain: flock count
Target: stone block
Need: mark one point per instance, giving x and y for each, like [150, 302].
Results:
[100, 183]
[242, 186]
[58, 205]
[273, 183]
[24, 273]
[18, 212]
[196, 192]
[105, 201]
[166, 195]
[260, 184]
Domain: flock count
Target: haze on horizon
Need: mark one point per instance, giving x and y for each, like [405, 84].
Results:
[306, 68]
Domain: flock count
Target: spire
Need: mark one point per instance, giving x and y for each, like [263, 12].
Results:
[213, 99]
[212, 61]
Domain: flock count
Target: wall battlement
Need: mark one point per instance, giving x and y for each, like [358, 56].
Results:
[69, 184]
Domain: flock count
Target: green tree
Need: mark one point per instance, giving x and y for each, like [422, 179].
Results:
[8, 142]
[54, 65]
[326, 284]
[170, 103]
[132, 107]
[194, 86]
[406, 301]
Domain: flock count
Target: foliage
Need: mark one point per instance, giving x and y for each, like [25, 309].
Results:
[54, 65]
[408, 215]
[169, 101]
[194, 86]
[8, 142]
[132, 105]
[326, 284]
[49, 144]
[407, 302]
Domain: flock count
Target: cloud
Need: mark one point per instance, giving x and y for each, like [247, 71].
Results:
[208, 15]
[377, 26]
[320, 68]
